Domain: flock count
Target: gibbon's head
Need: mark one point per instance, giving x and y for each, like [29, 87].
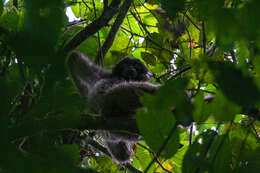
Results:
[131, 69]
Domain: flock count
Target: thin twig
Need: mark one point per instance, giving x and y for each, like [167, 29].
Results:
[131, 32]
[141, 23]
[196, 89]
[191, 21]
[86, 5]
[191, 130]
[204, 38]
[76, 22]
[233, 55]
[190, 40]
[149, 36]
[101, 61]
[157, 160]
[180, 73]
[105, 2]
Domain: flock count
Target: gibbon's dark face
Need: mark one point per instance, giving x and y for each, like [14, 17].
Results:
[131, 69]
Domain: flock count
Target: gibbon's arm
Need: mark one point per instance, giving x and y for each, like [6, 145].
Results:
[122, 100]
[135, 85]
[84, 72]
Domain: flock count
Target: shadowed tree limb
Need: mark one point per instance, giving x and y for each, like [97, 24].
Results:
[95, 26]
[127, 126]
[119, 124]
[113, 32]
[34, 127]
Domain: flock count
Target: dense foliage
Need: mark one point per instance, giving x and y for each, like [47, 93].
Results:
[204, 118]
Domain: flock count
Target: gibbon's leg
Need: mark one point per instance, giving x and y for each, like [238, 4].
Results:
[84, 72]
[122, 100]
[121, 151]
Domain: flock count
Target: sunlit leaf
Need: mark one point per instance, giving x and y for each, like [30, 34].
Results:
[10, 20]
[143, 157]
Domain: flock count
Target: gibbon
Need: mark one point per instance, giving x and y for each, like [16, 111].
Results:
[112, 94]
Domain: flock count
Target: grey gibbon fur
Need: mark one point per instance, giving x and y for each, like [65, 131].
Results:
[112, 94]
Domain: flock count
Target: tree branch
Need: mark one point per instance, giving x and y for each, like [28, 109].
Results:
[113, 32]
[105, 2]
[33, 127]
[116, 124]
[95, 26]
[180, 73]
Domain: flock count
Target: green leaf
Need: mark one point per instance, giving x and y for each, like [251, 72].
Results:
[251, 163]
[84, 10]
[1, 7]
[105, 164]
[245, 149]
[156, 133]
[195, 157]
[71, 152]
[223, 109]
[157, 122]
[235, 85]
[89, 47]
[208, 153]
[48, 160]
[43, 25]
[172, 7]
[69, 34]
[78, 9]
[10, 20]
[9, 87]
[142, 158]
[153, 2]
[221, 154]
[149, 44]
[201, 110]
[113, 57]
[171, 97]
[149, 58]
